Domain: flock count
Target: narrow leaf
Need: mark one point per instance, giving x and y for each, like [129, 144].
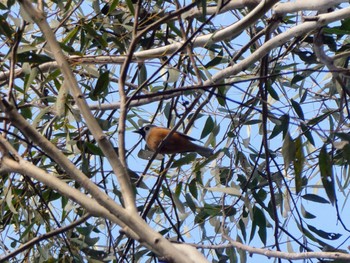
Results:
[227, 190]
[324, 234]
[298, 109]
[306, 214]
[315, 198]
[298, 164]
[326, 171]
[288, 151]
[307, 133]
[193, 188]
[208, 127]
[101, 85]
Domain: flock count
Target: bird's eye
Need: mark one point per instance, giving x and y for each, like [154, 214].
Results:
[146, 128]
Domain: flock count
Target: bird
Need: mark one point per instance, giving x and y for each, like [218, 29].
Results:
[176, 143]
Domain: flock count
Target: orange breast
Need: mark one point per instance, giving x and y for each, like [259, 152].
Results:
[177, 143]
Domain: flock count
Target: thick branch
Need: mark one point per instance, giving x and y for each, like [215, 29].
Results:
[90, 120]
[279, 40]
[26, 168]
[285, 255]
[302, 5]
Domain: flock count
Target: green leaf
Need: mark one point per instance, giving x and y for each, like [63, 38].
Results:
[174, 28]
[94, 149]
[325, 164]
[242, 227]
[179, 204]
[297, 109]
[288, 151]
[201, 216]
[343, 136]
[306, 214]
[272, 92]
[260, 221]
[130, 6]
[221, 95]
[252, 122]
[113, 5]
[297, 78]
[26, 113]
[104, 124]
[307, 133]
[142, 74]
[229, 210]
[226, 190]
[193, 188]
[323, 234]
[212, 210]
[187, 159]
[217, 60]
[315, 198]
[189, 201]
[101, 86]
[178, 189]
[203, 5]
[318, 119]
[208, 127]
[70, 35]
[281, 126]
[5, 28]
[298, 164]
[225, 175]
[33, 58]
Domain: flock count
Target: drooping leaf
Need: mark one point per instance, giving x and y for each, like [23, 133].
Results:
[101, 86]
[306, 214]
[324, 234]
[217, 60]
[326, 170]
[307, 133]
[227, 190]
[187, 159]
[260, 221]
[315, 198]
[193, 188]
[318, 119]
[130, 6]
[178, 189]
[288, 151]
[5, 28]
[242, 227]
[298, 164]
[297, 78]
[282, 125]
[221, 95]
[94, 149]
[298, 109]
[208, 127]
[272, 92]
[142, 74]
[201, 216]
[225, 175]
[189, 201]
[343, 136]
[33, 58]
[179, 204]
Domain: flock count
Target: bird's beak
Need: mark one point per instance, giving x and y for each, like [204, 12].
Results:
[138, 131]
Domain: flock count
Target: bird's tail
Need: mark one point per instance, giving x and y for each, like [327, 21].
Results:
[204, 151]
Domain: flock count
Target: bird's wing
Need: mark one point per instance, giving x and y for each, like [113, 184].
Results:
[186, 136]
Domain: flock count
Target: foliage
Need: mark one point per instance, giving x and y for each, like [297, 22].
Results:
[267, 92]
